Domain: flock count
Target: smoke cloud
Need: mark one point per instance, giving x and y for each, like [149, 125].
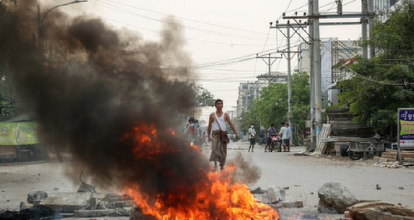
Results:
[103, 96]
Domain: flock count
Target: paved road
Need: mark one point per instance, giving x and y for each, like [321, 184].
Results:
[304, 175]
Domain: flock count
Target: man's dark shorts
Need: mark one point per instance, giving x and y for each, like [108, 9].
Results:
[252, 141]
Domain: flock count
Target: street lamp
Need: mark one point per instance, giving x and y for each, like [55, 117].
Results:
[40, 23]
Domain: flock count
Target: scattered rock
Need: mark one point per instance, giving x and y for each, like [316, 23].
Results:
[258, 190]
[378, 187]
[120, 204]
[380, 159]
[273, 195]
[401, 188]
[380, 210]
[35, 212]
[335, 198]
[92, 213]
[24, 205]
[84, 187]
[36, 197]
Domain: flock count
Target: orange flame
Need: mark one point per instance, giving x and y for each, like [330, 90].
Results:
[217, 195]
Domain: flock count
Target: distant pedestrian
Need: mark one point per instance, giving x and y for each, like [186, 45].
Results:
[288, 134]
[271, 131]
[252, 137]
[262, 137]
[217, 123]
[283, 134]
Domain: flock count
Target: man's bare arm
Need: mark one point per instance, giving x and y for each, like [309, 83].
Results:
[210, 122]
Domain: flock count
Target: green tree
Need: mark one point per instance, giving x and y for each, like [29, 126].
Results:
[8, 27]
[272, 106]
[381, 85]
[204, 97]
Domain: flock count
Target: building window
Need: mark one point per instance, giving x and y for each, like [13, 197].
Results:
[245, 87]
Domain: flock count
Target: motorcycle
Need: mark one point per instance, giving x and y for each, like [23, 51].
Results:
[275, 141]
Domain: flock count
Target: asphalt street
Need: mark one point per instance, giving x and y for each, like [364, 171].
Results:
[304, 175]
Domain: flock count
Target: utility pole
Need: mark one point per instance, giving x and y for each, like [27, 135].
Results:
[269, 62]
[317, 67]
[289, 58]
[364, 9]
[371, 26]
[312, 144]
[314, 35]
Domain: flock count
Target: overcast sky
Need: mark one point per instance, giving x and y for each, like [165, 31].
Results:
[225, 31]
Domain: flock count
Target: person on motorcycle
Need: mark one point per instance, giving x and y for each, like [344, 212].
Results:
[271, 131]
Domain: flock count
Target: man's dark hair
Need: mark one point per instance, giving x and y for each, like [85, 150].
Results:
[272, 125]
[218, 100]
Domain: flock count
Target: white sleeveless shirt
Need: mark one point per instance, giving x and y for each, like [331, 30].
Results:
[221, 121]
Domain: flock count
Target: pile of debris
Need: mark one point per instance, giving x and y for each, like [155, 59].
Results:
[275, 197]
[86, 202]
[335, 201]
[336, 198]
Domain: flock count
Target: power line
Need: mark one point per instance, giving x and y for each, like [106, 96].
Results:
[114, 7]
[178, 37]
[192, 20]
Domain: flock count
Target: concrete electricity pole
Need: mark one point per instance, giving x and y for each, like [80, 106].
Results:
[314, 35]
[312, 144]
[289, 58]
[371, 24]
[269, 62]
[317, 69]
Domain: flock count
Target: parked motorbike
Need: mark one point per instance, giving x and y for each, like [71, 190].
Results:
[274, 142]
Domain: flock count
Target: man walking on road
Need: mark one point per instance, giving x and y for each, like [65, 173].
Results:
[283, 133]
[252, 137]
[288, 134]
[217, 123]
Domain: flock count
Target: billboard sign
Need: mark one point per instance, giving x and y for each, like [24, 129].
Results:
[406, 128]
[18, 133]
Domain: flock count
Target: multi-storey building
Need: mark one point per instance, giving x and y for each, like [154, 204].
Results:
[333, 51]
[249, 91]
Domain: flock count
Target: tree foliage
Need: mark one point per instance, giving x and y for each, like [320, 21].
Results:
[383, 84]
[9, 106]
[272, 106]
[204, 97]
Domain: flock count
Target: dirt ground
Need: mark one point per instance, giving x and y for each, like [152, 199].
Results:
[304, 175]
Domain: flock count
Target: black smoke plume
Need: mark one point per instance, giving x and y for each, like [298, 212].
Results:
[113, 100]
[105, 86]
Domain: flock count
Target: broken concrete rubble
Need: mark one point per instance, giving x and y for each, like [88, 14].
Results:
[36, 197]
[273, 195]
[335, 198]
[380, 210]
[86, 188]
